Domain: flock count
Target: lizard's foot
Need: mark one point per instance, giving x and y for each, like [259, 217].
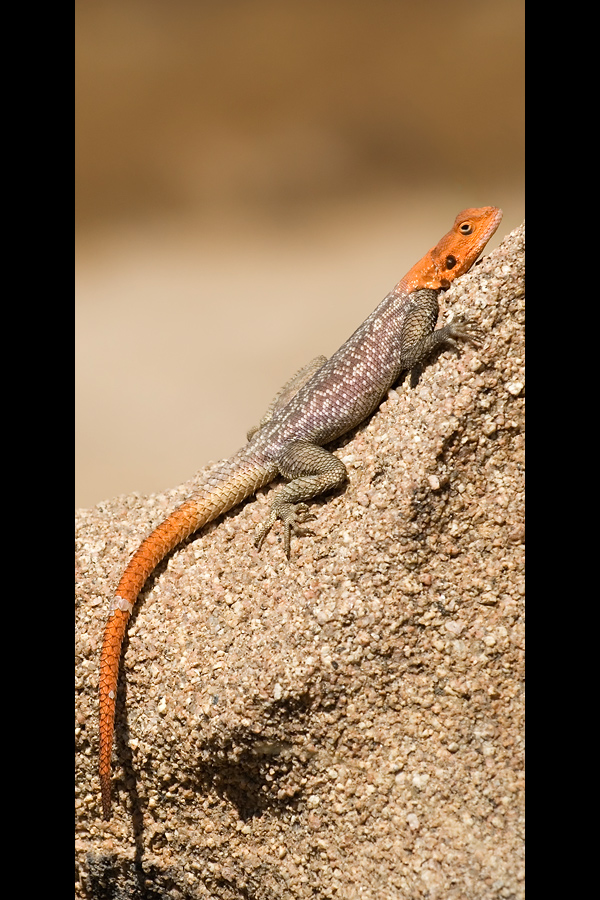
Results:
[292, 515]
[463, 330]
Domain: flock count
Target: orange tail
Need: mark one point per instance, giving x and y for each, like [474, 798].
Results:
[176, 528]
[225, 491]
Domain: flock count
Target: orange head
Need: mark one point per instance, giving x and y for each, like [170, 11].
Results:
[456, 252]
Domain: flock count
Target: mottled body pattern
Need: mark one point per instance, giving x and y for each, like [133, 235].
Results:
[321, 402]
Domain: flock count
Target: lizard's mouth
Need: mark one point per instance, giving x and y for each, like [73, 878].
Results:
[497, 218]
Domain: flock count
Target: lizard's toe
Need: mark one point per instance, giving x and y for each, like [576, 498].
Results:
[263, 529]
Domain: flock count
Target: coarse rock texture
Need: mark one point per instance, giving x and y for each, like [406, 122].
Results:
[350, 724]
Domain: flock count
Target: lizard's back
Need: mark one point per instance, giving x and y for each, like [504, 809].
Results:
[347, 387]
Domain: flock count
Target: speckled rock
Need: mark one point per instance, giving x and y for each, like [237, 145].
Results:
[348, 725]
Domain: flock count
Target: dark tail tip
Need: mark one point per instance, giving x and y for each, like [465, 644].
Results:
[106, 804]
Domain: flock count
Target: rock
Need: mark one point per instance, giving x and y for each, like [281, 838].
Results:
[273, 719]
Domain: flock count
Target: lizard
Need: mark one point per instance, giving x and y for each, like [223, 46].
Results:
[323, 401]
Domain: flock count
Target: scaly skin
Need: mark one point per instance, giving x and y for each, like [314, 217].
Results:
[321, 402]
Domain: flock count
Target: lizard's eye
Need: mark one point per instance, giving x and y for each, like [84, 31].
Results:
[465, 228]
[450, 261]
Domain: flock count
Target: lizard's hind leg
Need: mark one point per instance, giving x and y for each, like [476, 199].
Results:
[312, 470]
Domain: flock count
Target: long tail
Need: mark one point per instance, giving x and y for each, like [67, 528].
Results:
[224, 491]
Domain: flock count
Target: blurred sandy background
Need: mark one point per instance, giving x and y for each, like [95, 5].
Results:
[252, 178]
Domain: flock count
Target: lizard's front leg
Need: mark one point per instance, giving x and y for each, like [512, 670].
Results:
[312, 470]
[418, 338]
